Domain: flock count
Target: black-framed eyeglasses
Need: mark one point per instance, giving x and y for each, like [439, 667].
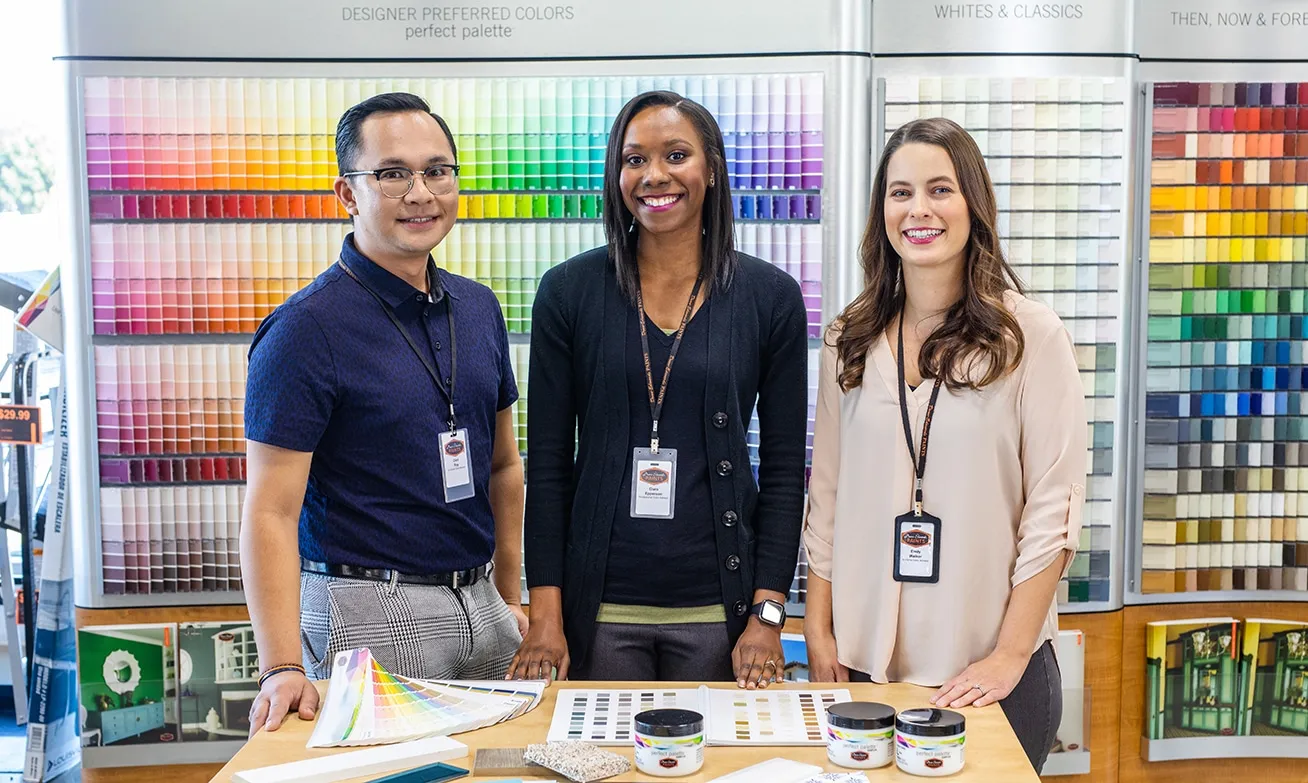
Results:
[397, 181]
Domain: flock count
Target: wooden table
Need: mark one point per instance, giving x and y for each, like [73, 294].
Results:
[993, 752]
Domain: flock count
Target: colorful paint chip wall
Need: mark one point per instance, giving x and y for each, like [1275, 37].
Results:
[1226, 454]
[225, 157]
[210, 203]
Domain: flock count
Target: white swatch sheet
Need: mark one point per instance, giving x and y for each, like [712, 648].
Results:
[604, 717]
[731, 716]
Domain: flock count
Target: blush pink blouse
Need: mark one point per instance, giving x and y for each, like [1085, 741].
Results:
[1006, 472]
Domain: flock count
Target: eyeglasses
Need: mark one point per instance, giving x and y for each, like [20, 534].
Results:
[397, 181]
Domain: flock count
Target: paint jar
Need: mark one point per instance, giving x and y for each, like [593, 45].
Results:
[860, 734]
[669, 743]
[929, 743]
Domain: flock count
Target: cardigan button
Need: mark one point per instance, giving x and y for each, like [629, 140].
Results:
[729, 518]
[733, 562]
[740, 608]
[720, 420]
[724, 468]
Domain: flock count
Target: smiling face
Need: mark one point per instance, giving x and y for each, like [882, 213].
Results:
[665, 172]
[927, 219]
[399, 228]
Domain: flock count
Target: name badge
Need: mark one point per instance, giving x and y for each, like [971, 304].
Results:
[917, 548]
[456, 465]
[653, 483]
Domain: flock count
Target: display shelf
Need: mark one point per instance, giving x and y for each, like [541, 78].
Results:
[1223, 748]
[1225, 438]
[208, 203]
[1138, 599]
[221, 157]
[1056, 150]
[180, 753]
[1066, 764]
[181, 541]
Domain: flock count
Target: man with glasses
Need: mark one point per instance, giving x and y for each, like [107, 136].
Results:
[385, 490]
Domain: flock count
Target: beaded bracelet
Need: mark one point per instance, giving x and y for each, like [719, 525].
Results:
[279, 669]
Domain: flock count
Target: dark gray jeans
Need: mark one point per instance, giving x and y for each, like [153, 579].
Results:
[1035, 707]
[681, 652]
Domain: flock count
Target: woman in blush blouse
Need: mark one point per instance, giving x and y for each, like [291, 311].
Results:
[949, 457]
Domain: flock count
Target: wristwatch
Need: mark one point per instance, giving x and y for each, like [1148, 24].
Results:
[769, 612]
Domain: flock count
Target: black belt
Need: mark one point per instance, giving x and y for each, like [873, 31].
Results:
[455, 579]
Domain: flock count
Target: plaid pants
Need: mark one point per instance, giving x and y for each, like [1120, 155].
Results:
[412, 630]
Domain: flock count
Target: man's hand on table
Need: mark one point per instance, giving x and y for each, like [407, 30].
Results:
[279, 695]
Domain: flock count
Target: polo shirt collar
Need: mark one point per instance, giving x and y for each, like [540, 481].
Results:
[395, 292]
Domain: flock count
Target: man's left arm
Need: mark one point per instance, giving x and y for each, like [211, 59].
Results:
[506, 497]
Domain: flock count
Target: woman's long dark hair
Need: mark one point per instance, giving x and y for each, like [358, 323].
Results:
[718, 243]
[979, 341]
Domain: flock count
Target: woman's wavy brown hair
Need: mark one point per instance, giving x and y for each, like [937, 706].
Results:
[980, 341]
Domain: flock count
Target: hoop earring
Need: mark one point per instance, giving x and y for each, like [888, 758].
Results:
[632, 228]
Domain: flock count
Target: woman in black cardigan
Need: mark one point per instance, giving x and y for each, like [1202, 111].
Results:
[684, 576]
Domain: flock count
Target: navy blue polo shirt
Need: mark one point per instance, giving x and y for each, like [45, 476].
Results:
[330, 374]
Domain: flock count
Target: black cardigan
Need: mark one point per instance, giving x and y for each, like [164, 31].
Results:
[578, 405]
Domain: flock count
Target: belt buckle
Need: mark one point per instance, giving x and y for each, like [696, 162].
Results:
[455, 580]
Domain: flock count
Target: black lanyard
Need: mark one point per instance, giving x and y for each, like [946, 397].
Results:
[656, 405]
[919, 464]
[454, 352]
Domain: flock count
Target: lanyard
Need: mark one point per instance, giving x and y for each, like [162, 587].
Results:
[919, 464]
[656, 405]
[454, 353]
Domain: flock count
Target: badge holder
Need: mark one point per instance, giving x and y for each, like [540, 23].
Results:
[917, 548]
[653, 483]
[456, 465]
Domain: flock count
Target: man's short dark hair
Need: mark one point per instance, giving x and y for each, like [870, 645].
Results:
[348, 129]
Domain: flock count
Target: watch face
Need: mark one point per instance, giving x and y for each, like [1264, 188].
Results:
[772, 613]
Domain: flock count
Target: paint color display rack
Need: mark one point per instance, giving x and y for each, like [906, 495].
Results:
[209, 204]
[248, 151]
[1225, 455]
[1056, 151]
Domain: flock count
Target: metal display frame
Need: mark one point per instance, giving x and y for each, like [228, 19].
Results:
[845, 70]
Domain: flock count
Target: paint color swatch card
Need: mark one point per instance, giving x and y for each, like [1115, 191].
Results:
[768, 717]
[366, 705]
[604, 717]
[731, 716]
[527, 693]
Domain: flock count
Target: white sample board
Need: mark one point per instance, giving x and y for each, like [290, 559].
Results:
[731, 716]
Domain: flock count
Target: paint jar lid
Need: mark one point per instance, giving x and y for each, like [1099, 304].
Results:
[861, 715]
[669, 723]
[930, 723]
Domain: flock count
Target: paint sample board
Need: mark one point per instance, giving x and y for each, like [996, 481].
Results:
[1226, 438]
[731, 716]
